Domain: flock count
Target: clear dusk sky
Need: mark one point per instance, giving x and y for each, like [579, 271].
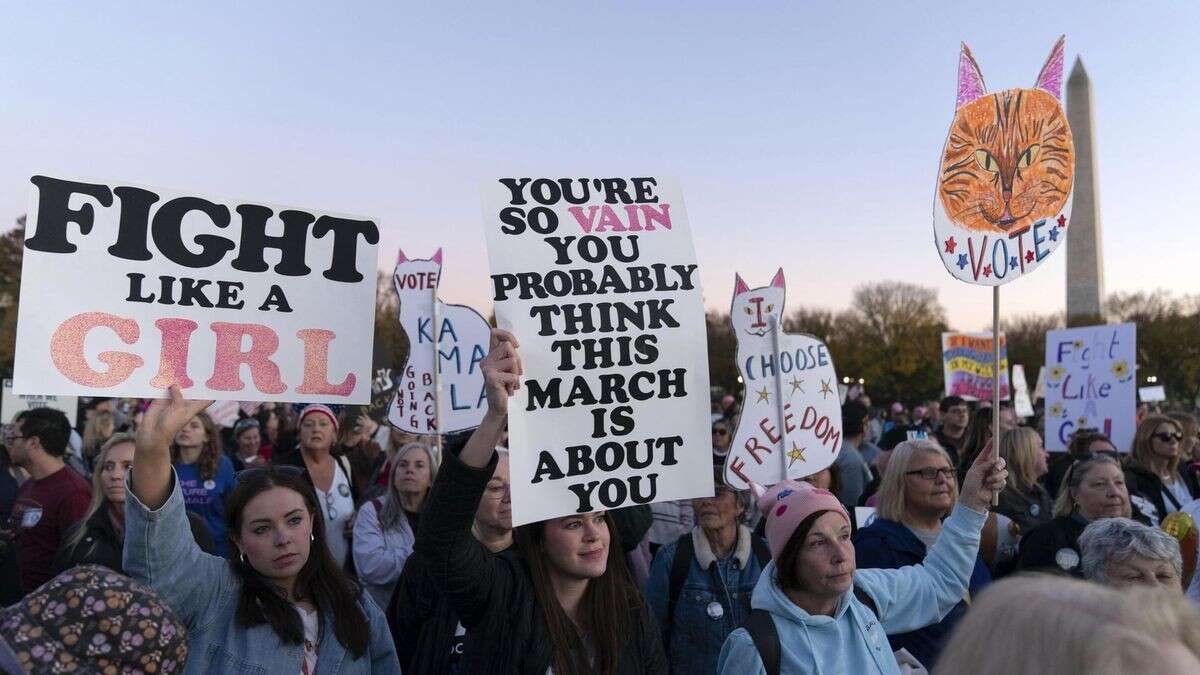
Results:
[806, 135]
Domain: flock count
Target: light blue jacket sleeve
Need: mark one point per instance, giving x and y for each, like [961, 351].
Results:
[381, 649]
[739, 656]
[378, 560]
[161, 553]
[915, 596]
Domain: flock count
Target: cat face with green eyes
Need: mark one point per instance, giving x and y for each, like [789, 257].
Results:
[1009, 160]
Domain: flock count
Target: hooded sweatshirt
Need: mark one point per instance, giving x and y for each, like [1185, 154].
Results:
[854, 640]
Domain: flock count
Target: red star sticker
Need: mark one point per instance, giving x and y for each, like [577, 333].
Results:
[1028, 256]
[1062, 221]
[987, 271]
[950, 244]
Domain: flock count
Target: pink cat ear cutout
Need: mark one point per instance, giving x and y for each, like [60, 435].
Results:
[1051, 78]
[970, 80]
[401, 258]
[437, 257]
[739, 286]
[777, 281]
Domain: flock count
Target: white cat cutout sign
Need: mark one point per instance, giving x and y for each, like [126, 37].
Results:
[791, 423]
[452, 397]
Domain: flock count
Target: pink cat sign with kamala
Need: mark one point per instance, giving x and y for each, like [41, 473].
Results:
[127, 290]
[1003, 201]
[791, 423]
[597, 278]
[440, 390]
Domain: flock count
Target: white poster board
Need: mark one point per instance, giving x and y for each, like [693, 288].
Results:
[126, 290]
[11, 404]
[1090, 383]
[791, 421]
[597, 278]
[1022, 404]
[1152, 394]
[452, 399]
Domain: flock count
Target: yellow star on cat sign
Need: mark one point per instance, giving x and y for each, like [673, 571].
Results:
[796, 454]
[763, 395]
[797, 383]
[826, 390]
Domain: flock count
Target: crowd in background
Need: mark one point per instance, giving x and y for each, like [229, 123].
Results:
[802, 576]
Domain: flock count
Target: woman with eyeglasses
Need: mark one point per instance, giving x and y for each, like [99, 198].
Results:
[1093, 489]
[99, 537]
[918, 490]
[1152, 471]
[281, 604]
[568, 605]
[330, 475]
[205, 475]
[385, 528]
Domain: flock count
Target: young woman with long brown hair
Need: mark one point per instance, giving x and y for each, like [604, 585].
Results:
[281, 604]
[567, 603]
[205, 475]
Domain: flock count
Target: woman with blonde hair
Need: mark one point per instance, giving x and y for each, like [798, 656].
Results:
[1024, 500]
[99, 537]
[918, 490]
[1093, 488]
[1156, 484]
[1038, 624]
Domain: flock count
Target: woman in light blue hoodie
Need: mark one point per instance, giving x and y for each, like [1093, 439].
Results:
[814, 613]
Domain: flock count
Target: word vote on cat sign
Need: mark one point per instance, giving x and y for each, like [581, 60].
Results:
[453, 399]
[791, 422]
[127, 290]
[1003, 202]
[597, 278]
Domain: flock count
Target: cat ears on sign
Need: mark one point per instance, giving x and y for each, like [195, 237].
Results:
[739, 286]
[401, 258]
[970, 78]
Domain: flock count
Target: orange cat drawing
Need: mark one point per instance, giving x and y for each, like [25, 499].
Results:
[1009, 160]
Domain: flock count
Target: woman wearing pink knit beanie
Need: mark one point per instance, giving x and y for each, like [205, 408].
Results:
[815, 612]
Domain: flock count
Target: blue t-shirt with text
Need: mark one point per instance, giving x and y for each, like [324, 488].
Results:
[206, 498]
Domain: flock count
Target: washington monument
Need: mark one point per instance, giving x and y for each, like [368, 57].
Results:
[1085, 252]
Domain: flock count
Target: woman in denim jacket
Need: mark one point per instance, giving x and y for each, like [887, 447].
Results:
[712, 595]
[280, 604]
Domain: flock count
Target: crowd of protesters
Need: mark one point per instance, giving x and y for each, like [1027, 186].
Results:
[306, 538]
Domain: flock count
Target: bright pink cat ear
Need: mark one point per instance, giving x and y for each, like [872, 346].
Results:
[777, 281]
[437, 256]
[739, 286]
[970, 80]
[401, 258]
[1051, 78]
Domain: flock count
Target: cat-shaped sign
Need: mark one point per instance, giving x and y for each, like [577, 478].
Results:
[456, 396]
[791, 422]
[1003, 200]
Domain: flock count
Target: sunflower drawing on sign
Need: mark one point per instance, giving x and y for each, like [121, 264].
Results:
[1007, 171]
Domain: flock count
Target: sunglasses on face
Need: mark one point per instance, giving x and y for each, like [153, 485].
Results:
[1168, 437]
[930, 473]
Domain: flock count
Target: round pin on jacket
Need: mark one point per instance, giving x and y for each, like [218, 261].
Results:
[210, 484]
[715, 610]
[1067, 559]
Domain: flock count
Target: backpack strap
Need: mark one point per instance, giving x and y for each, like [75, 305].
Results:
[866, 599]
[685, 552]
[762, 630]
[761, 553]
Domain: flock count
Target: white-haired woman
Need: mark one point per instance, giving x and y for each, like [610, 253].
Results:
[917, 491]
[1124, 553]
[384, 531]
[1093, 489]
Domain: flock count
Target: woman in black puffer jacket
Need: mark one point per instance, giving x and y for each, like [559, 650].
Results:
[566, 601]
